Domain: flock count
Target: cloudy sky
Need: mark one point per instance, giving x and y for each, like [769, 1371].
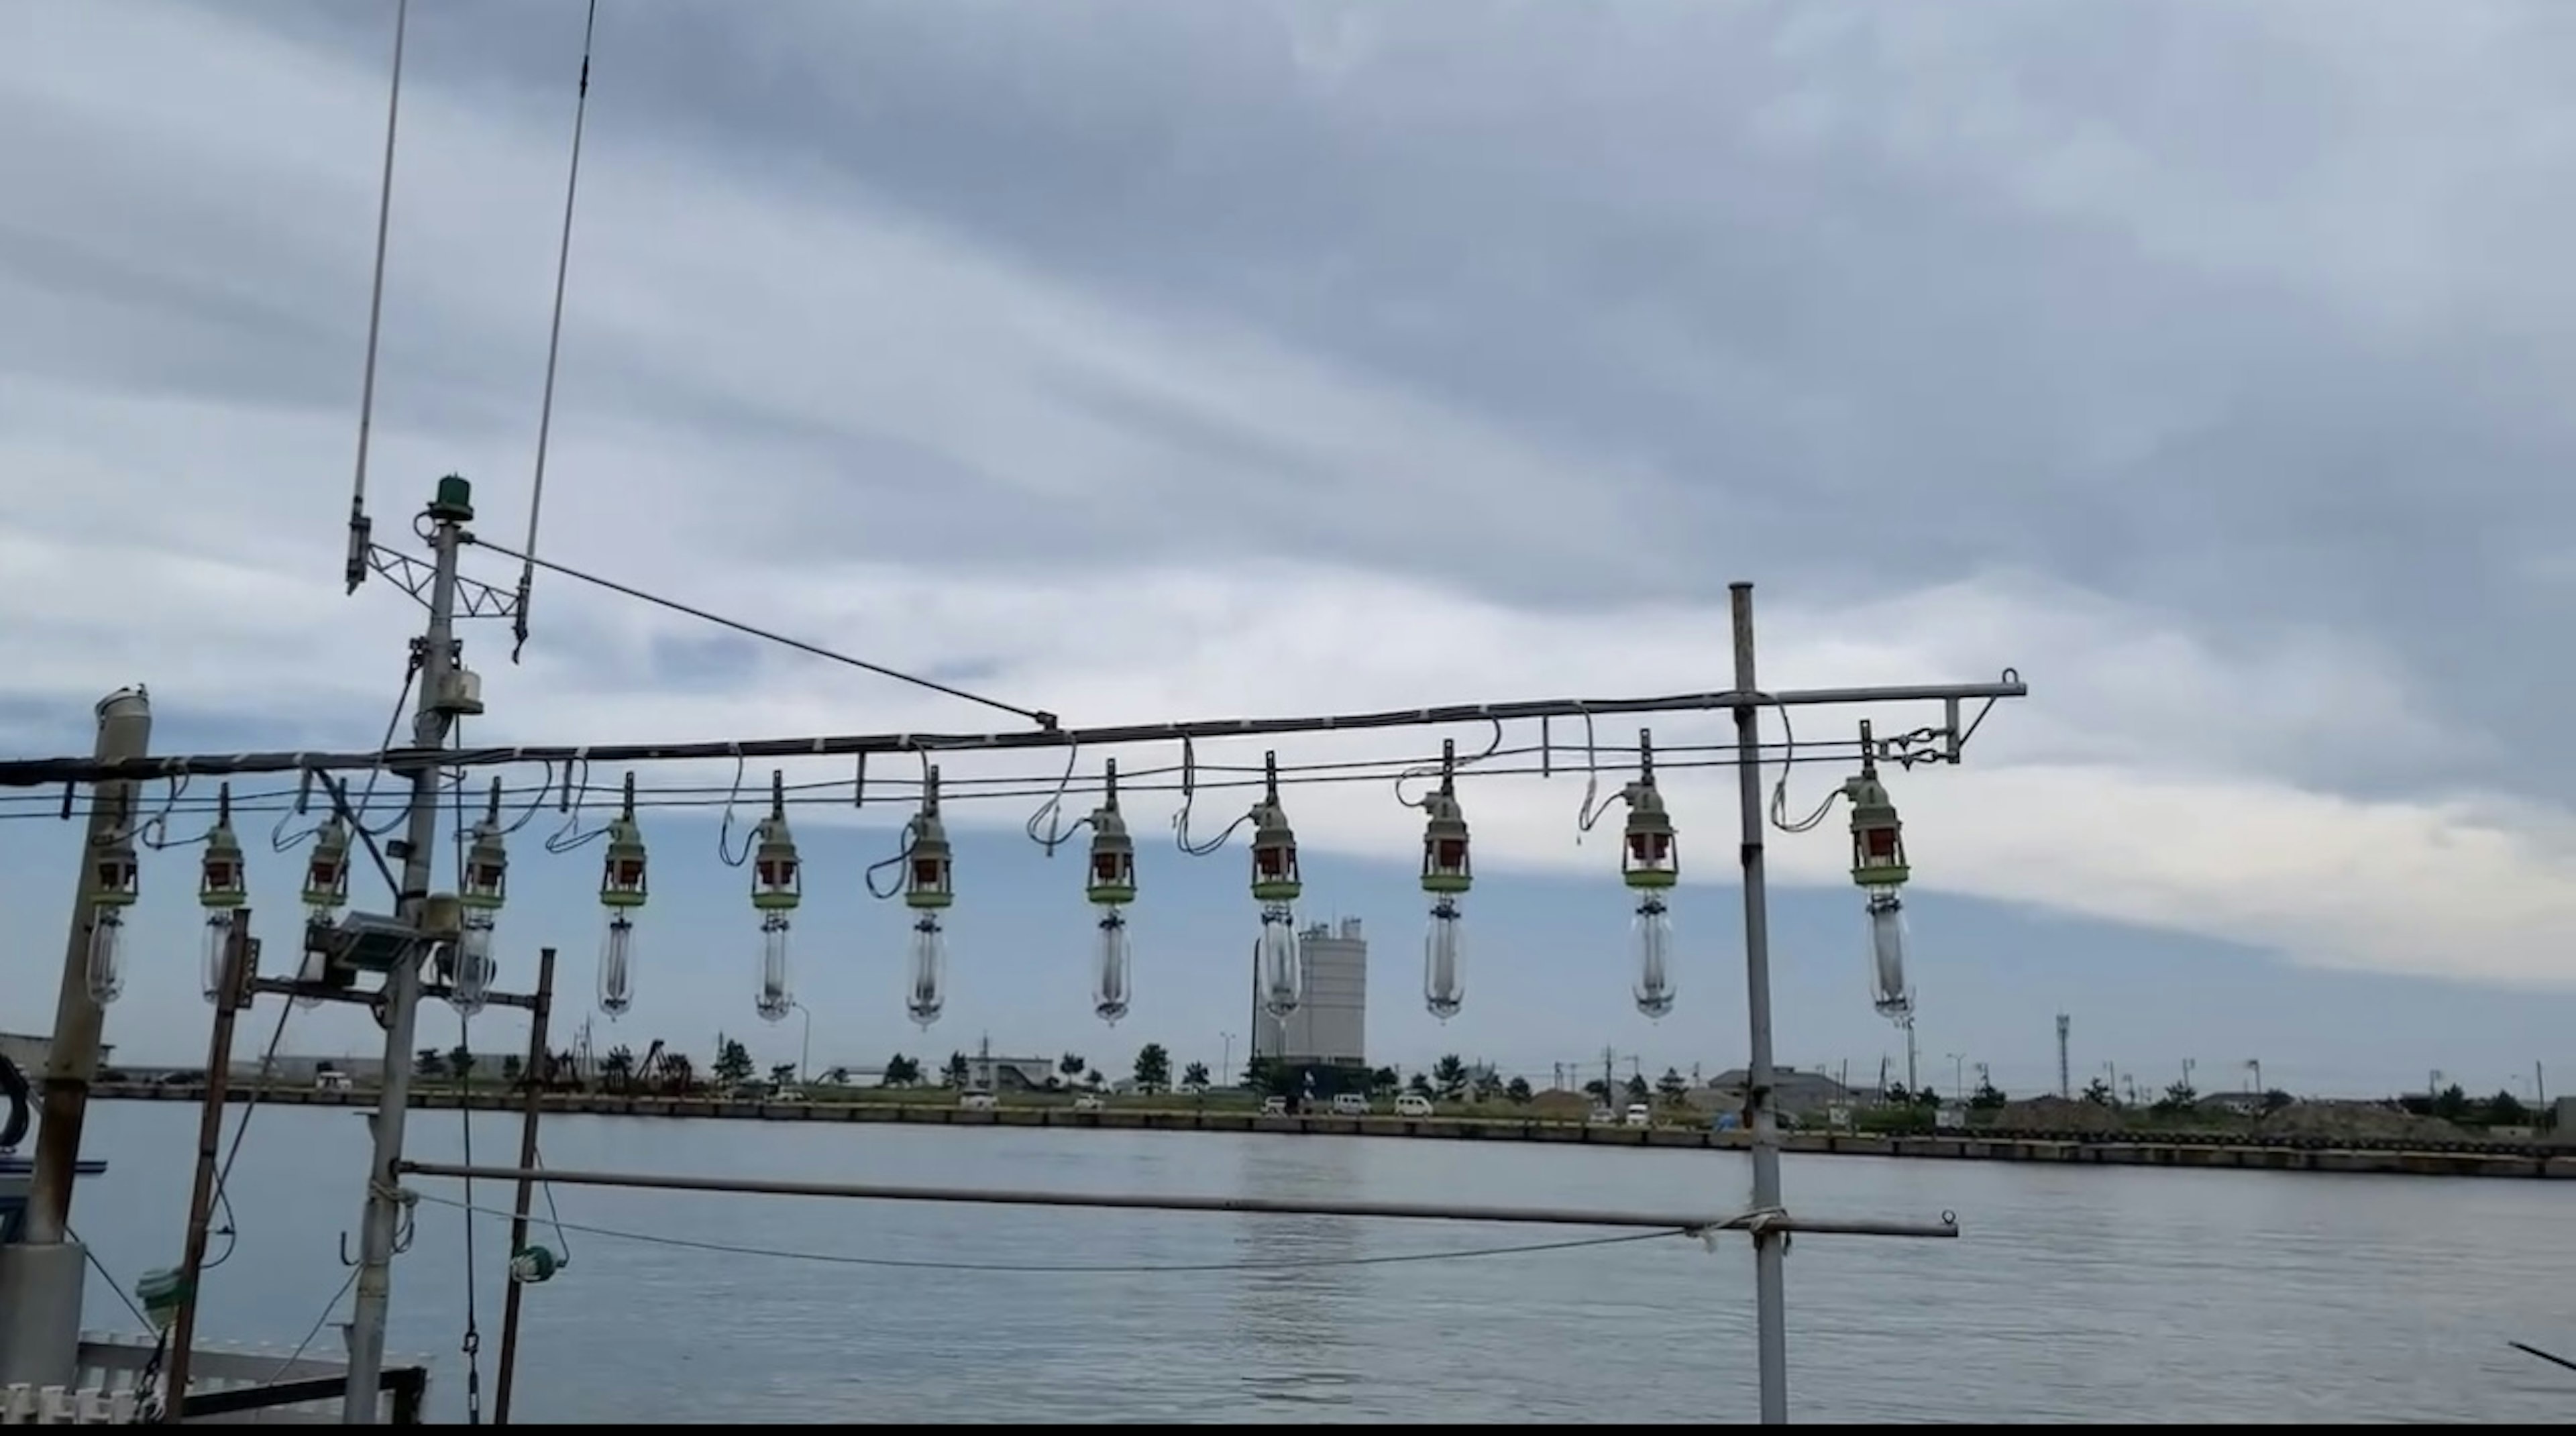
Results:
[1152, 360]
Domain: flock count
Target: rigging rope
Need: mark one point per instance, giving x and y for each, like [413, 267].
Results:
[1072, 1268]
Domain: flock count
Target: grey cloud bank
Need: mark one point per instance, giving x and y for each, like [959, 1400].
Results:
[1176, 358]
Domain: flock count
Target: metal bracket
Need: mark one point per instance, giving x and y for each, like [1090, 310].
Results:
[474, 598]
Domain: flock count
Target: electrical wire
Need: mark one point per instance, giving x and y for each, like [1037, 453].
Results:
[231, 1230]
[1075, 1268]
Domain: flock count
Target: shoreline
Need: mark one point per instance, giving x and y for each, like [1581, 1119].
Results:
[2204, 1152]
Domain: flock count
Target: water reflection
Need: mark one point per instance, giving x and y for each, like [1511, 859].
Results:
[1297, 1318]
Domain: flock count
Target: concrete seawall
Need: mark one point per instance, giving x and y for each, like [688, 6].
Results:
[2498, 1161]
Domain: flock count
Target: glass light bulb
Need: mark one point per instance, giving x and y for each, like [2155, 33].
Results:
[1283, 972]
[212, 949]
[777, 998]
[469, 963]
[1444, 954]
[926, 994]
[1109, 959]
[1887, 951]
[617, 965]
[106, 955]
[1651, 938]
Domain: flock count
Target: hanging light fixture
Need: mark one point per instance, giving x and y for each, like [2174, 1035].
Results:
[927, 891]
[222, 890]
[326, 891]
[119, 884]
[1275, 885]
[777, 886]
[622, 890]
[1446, 876]
[1110, 888]
[1879, 869]
[481, 889]
[1649, 863]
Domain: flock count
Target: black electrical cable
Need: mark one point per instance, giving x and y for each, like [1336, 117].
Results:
[21, 1100]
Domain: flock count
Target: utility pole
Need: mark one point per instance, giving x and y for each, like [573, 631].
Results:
[1770, 1274]
[1912, 1058]
[2065, 1073]
[448, 512]
[41, 1276]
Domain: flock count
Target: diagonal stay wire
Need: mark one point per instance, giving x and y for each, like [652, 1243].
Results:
[1042, 719]
[109, 1277]
[1081, 1268]
[315, 1334]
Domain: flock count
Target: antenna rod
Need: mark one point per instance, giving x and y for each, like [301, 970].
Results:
[554, 339]
[359, 527]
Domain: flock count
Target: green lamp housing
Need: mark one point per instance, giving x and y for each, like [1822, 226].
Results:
[1274, 855]
[927, 868]
[622, 884]
[485, 884]
[1446, 869]
[776, 883]
[1112, 882]
[1649, 855]
[1878, 834]
[326, 873]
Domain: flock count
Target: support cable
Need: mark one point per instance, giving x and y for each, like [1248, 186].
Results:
[1078, 1268]
[1046, 721]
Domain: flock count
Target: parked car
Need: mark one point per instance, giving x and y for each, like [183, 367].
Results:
[1640, 1115]
[1413, 1104]
[1350, 1104]
[1087, 1102]
[976, 1102]
[1603, 1117]
[1274, 1106]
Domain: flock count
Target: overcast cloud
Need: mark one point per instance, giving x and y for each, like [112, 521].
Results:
[2205, 363]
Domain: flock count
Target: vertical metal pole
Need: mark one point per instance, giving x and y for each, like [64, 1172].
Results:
[540, 1059]
[240, 961]
[71, 1062]
[402, 983]
[1770, 1276]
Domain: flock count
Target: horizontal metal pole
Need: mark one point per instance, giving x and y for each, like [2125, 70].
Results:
[42, 772]
[1135, 1201]
[364, 997]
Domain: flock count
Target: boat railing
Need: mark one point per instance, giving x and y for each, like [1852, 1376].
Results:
[228, 1384]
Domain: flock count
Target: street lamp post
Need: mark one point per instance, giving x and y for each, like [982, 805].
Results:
[1958, 1075]
[805, 1049]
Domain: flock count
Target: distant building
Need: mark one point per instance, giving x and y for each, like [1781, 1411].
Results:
[1330, 1026]
[1793, 1093]
[1011, 1074]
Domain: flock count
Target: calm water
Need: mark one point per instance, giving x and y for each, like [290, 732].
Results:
[2077, 1294]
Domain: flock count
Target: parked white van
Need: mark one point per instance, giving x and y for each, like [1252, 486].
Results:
[1413, 1104]
[1350, 1104]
